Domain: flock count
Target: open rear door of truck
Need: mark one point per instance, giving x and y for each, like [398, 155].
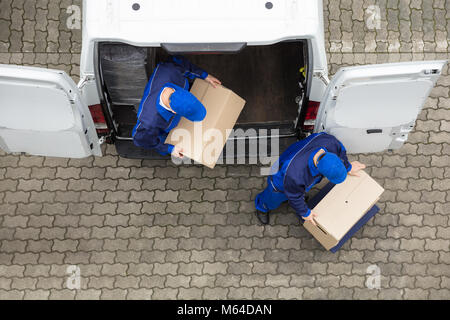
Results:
[372, 108]
[42, 113]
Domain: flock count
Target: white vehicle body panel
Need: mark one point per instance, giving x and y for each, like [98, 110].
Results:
[42, 113]
[373, 108]
[89, 91]
[202, 21]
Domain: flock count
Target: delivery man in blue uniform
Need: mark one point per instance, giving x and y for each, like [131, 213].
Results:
[166, 99]
[299, 168]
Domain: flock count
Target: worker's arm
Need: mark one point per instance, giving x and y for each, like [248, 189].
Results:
[149, 139]
[295, 193]
[191, 70]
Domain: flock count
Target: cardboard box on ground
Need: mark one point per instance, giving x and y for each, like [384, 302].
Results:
[204, 141]
[342, 208]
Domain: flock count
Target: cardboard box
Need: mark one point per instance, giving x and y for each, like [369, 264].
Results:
[342, 208]
[204, 141]
[361, 222]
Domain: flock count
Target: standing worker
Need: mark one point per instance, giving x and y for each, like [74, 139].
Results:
[167, 99]
[299, 168]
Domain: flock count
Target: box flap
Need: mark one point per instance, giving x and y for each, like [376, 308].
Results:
[203, 141]
[346, 203]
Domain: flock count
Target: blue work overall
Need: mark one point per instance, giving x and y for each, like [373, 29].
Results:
[295, 174]
[154, 121]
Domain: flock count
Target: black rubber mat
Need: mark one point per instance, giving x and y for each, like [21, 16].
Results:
[265, 76]
[124, 72]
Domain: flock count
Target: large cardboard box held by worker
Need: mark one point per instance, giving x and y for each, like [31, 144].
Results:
[342, 208]
[204, 141]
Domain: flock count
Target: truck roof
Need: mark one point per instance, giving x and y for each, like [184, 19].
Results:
[152, 22]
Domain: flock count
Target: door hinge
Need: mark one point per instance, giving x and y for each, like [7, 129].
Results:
[102, 139]
[85, 80]
[322, 77]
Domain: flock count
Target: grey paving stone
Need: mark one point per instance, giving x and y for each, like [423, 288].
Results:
[155, 230]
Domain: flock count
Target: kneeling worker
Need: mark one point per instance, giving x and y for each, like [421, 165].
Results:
[299, 168]
[167, 99]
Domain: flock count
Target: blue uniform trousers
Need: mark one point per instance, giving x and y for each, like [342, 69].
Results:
[270, 198]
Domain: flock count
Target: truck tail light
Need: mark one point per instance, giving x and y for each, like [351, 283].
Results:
[99, 119]
[311, 115]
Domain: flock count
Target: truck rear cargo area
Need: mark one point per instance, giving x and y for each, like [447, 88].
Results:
[267, 77]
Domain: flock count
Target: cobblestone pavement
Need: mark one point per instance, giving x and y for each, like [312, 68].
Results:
[148, 229]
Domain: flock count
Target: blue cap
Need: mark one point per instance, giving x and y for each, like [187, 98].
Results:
[186, 104]
[331, 166]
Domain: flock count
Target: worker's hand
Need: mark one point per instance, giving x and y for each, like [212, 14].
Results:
[213, 81]
[177, 152]
[311, 217]
[356, 166]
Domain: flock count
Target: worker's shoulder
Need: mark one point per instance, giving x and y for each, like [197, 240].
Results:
[323, 136]
[168, 65]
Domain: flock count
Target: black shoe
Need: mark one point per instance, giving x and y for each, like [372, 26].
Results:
[263, 217]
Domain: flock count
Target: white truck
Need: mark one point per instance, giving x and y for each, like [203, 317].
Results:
[271, 52]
